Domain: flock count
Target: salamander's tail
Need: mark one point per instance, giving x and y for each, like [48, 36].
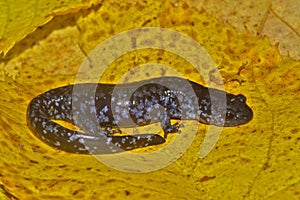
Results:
[40, 123]
[136, 141]
[71, 141]
[101, 144]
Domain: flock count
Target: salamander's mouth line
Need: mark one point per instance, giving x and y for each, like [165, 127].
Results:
[132, 104]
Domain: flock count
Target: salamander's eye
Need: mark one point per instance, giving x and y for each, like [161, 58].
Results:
[241, 98]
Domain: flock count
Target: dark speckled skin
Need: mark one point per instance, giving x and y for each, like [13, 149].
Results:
[128, 105]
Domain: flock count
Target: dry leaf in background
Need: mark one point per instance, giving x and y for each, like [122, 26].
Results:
[18, 20]
[278, 20]
[254, 161]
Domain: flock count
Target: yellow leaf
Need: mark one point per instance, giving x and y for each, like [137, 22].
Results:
[18, 19]
[259, 160]
[279, 20]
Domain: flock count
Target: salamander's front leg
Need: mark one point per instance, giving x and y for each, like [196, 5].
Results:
[168, 127]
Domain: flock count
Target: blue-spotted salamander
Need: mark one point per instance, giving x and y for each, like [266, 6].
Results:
[127, 105]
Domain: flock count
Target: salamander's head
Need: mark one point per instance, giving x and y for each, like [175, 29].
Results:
[236, 111]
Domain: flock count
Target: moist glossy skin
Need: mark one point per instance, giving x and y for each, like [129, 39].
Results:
[99, 114]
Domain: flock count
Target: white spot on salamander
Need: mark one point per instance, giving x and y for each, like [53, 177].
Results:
[81, 141]
[57, 143]
[108, 141]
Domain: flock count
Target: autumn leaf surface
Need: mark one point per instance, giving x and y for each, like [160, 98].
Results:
[18, 19]
[259, 160]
